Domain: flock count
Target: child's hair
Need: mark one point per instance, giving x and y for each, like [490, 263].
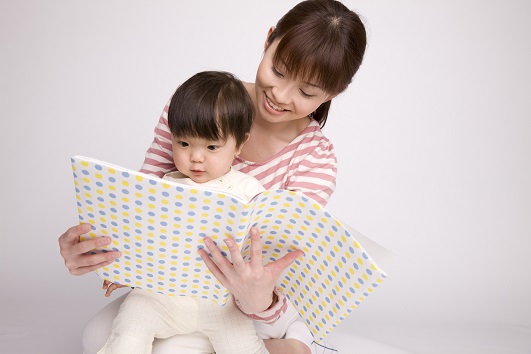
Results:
[322, 41]
[211, 105]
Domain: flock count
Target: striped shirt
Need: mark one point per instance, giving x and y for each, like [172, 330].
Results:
[308, 164]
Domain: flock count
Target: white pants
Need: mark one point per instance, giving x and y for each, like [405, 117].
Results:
[98, 329]
[146, 315]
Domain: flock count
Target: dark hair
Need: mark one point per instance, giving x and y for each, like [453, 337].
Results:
[322, 41]
[211, 105]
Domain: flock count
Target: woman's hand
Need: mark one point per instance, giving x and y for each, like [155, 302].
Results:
[74, 252]
[251, 283]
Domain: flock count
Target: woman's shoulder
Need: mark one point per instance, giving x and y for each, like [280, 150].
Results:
[313, 136]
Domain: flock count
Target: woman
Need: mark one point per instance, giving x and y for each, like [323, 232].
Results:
[310, 56]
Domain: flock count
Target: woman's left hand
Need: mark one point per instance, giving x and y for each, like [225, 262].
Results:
[251, 283]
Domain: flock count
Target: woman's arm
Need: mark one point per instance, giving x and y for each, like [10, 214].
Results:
[159, 157]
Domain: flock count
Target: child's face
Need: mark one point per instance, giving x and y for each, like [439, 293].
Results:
[203, 160]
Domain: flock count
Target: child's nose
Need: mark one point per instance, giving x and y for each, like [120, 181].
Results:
[197, 156]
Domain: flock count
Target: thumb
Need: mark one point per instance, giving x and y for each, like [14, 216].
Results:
[280, 264]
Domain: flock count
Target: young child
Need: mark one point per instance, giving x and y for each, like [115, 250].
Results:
[210, 117]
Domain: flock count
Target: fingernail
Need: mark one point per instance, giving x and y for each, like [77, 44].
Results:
[228, 242]
[207, 242]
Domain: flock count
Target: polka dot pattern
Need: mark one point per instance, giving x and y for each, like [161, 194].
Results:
[159, 225]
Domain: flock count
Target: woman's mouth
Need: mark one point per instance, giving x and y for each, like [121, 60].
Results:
[273, 106]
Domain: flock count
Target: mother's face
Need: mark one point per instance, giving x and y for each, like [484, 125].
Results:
[279, 96]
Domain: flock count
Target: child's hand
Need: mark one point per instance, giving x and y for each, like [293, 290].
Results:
[110, 287]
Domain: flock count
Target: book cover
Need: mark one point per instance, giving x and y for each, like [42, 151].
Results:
[158, 225]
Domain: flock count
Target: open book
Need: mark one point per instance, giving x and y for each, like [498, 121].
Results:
[158, 226]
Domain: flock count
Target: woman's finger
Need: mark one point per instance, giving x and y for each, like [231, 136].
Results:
[235, 255]
[278, 266]
[256, 249]
[221, 261]
[88, 269]
[212, 266]
[72, 234]
[85, 263]
[89, 245]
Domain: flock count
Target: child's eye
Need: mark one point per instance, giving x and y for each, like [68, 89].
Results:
[212, 147]
[182, 143]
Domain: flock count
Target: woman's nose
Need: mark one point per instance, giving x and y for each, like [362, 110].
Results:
[281, 94]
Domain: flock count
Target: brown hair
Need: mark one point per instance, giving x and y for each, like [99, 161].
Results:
[211, 105]
[322, 41]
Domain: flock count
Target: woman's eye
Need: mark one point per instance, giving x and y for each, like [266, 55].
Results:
[276, 72]
[304, 94]
[212, 147]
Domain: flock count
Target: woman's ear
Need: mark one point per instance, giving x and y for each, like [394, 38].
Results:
[267, 42]
[332, 96]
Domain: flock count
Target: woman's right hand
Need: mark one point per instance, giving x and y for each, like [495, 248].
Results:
[75, 252]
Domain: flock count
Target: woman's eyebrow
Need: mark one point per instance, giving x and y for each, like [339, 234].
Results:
[312, 84]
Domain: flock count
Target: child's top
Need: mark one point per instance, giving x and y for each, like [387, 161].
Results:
[234, 182]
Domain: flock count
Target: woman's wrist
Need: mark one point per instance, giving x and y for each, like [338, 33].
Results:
[257, 305]
[277, 306]
[274, 301]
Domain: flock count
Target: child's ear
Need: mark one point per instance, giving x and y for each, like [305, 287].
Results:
[239, 148]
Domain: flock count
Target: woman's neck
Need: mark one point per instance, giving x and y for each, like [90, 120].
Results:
[269, 138]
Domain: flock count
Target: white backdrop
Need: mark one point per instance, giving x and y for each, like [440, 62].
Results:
[433, 139]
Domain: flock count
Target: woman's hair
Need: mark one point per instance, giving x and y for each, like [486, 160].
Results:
[211, 105]
[321, 41]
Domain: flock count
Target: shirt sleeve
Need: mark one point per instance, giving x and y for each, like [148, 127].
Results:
[270, 315]
[315, 175]
[159, 157]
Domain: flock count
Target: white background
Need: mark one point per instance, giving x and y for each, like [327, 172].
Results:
[433, 139]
